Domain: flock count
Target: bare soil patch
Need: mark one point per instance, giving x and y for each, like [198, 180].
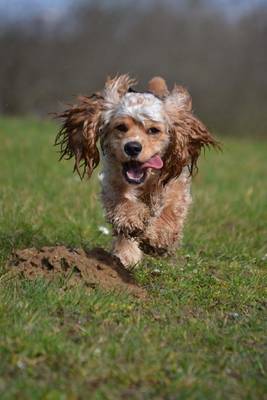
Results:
[96, 268]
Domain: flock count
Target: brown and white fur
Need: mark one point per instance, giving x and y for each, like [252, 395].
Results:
[150, 143]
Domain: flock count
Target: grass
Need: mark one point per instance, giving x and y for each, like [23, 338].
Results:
[200, 335]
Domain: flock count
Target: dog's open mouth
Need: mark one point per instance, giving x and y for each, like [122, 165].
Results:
[135, 172]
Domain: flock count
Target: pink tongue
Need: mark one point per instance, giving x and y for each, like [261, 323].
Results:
[154, 162]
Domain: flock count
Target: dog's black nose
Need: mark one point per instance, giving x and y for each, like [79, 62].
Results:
[133, 148]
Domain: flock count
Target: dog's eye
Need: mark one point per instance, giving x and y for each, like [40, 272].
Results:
[153, 130]
[122, 128]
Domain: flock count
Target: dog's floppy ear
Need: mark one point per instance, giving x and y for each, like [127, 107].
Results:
[79, 133]
[188, 135]
[158, 87]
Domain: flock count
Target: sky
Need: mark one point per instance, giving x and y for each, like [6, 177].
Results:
[17, 9]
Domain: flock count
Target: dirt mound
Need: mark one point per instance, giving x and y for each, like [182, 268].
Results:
[96, 268]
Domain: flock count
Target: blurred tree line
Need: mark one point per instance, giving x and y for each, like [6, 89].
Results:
[222, 60]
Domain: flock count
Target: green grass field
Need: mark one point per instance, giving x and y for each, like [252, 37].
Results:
[201, 334]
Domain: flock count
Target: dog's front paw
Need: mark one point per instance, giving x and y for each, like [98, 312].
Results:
[127, 251]
[158, 239]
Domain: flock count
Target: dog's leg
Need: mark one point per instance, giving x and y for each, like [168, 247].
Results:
[127, 250]
[127, 217]
[164, 231]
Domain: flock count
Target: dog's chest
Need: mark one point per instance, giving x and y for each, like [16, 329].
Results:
[154, 200]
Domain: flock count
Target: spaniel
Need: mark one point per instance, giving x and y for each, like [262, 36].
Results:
[149, 142]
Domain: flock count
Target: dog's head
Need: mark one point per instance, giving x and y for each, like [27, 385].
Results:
[142, 134]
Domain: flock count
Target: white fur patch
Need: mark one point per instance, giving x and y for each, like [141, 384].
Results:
[139, 106]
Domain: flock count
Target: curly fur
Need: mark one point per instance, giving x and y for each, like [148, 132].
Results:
[145, 196]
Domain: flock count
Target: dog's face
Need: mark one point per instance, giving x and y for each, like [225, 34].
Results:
[135, 134]
[140, 133]
[136, 146]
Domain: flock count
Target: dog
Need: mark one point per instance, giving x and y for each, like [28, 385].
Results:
[149, 143]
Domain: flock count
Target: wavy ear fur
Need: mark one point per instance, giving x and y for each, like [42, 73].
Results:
[188, 135]
[82, 123]
[79, 133]
[114, 90]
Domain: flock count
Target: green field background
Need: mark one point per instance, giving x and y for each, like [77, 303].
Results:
[201, 334]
